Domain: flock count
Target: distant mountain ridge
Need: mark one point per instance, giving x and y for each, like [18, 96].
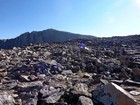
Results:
[36, 37]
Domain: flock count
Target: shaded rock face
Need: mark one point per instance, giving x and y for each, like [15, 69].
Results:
[65, 73]
[136, 73]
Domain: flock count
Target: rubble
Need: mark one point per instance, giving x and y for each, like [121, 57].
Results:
[67, 73]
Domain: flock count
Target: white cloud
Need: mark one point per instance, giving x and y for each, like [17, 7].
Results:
[137, 3]
[118, 3]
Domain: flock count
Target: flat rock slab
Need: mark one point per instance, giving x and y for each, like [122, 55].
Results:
[112, 94]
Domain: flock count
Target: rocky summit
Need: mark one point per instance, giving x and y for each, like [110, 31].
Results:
[99, 71]
[37, 37]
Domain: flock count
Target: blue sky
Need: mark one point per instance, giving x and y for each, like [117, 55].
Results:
[92, 17]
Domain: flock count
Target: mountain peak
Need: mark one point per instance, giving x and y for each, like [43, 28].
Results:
[51, 29]
[36, 37]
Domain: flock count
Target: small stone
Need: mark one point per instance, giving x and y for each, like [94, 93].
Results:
[41, 76]
[134, 93]
[67, 72]
[131, 82]
[86, 75]
[33, 77]
[118, 82]
[3, 74]
[24, 78]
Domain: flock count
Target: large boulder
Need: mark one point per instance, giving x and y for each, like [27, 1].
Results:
[112, 94]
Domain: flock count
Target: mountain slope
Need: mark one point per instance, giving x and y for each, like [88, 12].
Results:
[35, 37]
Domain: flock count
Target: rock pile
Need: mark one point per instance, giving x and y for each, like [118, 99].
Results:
[71, 73]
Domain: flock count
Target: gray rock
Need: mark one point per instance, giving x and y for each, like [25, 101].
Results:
[84, 101]
[6, 99]
[53, 98]
[67, 72]
[81, 89]
[134, 93]
[86, 75]
[33, 78]
[3, 73]
[30, 101]
[131, 82]
[24, 78]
